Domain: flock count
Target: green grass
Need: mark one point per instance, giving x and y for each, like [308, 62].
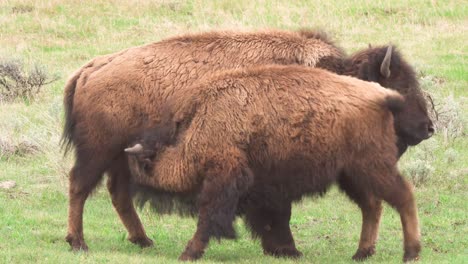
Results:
[63, 35]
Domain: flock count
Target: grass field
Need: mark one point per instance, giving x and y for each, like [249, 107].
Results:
[63, 35]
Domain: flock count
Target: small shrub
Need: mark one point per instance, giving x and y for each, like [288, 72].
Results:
[26, 147]
[417, 164]
[419, 171]
[6, 148]
[450, 119]
[450, 155]
[16, 82]
[19, 9]
[445, 112]
[9, 148]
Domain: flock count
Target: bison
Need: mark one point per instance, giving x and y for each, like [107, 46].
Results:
[115, 96]
[254, 140]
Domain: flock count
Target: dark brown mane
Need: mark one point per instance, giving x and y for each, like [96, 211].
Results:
[318, 34]
[331, 63]
[365, 65]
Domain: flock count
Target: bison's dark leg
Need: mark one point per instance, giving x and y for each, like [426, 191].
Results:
[84, 176]
[399, 195]
[217, 202]
[272, 226]
[77, 198]
[371, 212]
[118, 185]
[371, 209]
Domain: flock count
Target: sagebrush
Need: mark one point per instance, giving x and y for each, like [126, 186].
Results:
[16, 81]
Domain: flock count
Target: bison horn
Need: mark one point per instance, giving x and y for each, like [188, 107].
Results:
[137, 148]
[385, 67]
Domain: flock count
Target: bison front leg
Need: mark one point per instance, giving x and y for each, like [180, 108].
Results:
[118, 185]
[217, 203]
[272, 226]
[371, 209]
[371, 213]
[400, 195]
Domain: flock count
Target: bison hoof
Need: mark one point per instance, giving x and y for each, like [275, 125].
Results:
[408, 258]
[412, 253]
[77, 244]
[289, 252]
[364, 253]
[142, 241]
[190, 256]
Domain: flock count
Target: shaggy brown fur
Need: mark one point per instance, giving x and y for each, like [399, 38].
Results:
[115, 96]
[252, 141]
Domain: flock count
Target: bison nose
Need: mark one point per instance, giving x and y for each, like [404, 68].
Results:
[430, 130]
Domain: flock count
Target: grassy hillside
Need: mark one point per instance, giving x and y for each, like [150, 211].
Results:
[62, 35]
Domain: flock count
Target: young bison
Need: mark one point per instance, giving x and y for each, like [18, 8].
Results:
[115, 96]
[252, 141]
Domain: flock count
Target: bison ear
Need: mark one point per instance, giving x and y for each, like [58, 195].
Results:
[385, 66]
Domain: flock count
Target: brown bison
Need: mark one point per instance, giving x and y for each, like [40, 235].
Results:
[252, 141]
[115, 96]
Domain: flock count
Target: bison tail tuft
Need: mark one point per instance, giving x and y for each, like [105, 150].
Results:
[395, 102]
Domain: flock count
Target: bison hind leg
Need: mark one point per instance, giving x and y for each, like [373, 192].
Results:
[225, 182]
[85, 175]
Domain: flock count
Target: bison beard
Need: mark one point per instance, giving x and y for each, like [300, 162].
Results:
[225, 178]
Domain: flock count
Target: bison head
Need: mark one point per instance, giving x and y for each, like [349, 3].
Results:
[148, 144]
[386, 66]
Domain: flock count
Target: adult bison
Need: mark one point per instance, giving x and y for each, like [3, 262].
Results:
[254, 140]
[114, 96]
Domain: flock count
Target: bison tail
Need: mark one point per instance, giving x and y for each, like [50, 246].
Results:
[67, 136]
[394, 102]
